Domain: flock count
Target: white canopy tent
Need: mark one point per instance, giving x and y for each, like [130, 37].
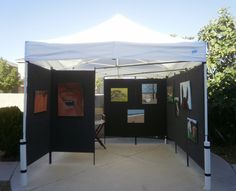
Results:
[118, 47]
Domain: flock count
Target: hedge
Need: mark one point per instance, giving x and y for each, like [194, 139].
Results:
[11, 123]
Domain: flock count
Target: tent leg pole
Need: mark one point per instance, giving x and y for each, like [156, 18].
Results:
[207, 150]
[23, 155]
[207, 165]
[23, 163]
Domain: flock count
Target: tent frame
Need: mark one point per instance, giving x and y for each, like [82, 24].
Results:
[207, 152]
[148, 53]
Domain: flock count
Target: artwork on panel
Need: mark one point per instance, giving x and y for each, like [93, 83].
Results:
[176, 101]
[119, 94]
[135, 116]
[40, 101]
[149, 93]
[70, 100]
[185, 95]
[170, 98]
[192, 129]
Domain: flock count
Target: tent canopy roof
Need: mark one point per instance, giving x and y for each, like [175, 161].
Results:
[120, 29]
[117, 47]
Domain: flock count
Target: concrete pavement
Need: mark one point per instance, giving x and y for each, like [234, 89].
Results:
[150, 165]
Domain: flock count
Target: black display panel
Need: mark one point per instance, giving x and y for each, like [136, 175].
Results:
[74, 133]
[37, 123]
[177, 124]
[124, 98]
[46, 130]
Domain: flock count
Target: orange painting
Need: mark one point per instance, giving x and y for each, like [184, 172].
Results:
[70, 100]
[40, 101]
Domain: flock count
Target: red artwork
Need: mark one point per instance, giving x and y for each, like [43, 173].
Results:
[70, 100]
[40, 101]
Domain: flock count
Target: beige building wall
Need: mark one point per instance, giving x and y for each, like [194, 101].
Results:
[12, 99]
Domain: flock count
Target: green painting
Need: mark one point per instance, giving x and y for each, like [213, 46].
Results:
[119, 94]
[192, 130]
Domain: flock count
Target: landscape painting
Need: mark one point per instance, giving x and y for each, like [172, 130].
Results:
[40, 101]
[119, 94]
[149, 93]
[192, 129]
[70, 100]
[185, 95]
[135, 116]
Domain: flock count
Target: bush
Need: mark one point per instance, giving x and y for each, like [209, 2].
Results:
[222, 107]
[11, 123]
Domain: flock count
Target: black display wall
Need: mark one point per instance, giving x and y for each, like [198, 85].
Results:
[177, 125]
[116, 112]
[46, 131]
[74, 134]
[37, 124]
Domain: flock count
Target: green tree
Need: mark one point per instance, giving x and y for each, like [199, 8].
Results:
[99, 85]
[9, 77]
[220, 35]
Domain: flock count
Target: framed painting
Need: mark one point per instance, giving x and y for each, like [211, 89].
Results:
[40, 101]
[192, 129]
[70, 100]
[185, 95]
[149, 93]
[135, 116]
[119, 94]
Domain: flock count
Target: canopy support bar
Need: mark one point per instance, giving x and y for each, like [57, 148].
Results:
[142, 64]
[151, 72]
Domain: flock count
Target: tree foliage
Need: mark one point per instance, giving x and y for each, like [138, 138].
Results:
[220, 35]
[99, 85]
[9, 77]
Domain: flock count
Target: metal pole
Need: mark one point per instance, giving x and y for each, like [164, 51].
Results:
[207, 150]
[94, 160]
[23, 164]
[135, 140]
[23, 157]
[187, 156]
[117, 67]
[175, 147]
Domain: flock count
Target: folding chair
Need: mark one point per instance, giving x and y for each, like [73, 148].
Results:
[99, 125]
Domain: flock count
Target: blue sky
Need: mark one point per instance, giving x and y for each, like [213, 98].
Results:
[23, 20]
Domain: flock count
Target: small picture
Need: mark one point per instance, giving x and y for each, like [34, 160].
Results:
[135, 116]
[70, 100]
[170, 98]
[149, 93]
[185, 95]
[40, 101]
[119, 94]
[192, 129]
[176, 101]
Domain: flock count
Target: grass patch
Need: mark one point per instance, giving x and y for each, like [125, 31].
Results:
[226, 152]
